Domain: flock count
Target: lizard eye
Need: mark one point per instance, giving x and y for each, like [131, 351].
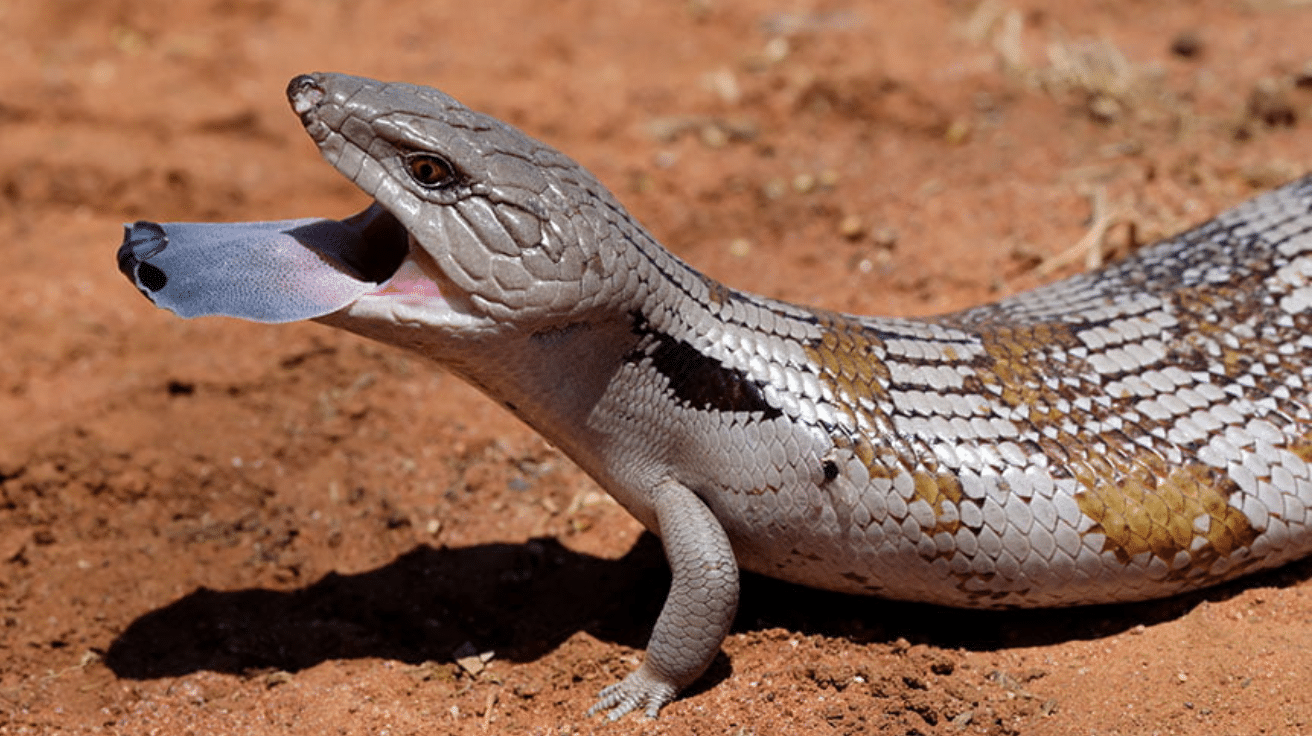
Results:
[429, 171]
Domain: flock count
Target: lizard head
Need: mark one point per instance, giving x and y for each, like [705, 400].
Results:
[508, 231]
[476, 230]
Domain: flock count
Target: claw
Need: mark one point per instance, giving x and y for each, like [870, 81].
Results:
[638, 690]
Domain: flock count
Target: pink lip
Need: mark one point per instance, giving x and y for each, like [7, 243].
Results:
[410, 280]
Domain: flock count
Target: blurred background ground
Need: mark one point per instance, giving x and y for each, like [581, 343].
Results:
[218, 527]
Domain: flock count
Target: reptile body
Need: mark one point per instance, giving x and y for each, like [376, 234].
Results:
[1116, 436]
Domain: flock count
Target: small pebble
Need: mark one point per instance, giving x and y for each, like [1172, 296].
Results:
[957, 132]
[851, 227]
[724, 85]
[886, 237]
[1269, 103]
[776, 49]
[1104, 109]
[279, 677]
[713, 136]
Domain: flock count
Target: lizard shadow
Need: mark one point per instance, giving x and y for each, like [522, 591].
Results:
[518, 600]
[524, 600]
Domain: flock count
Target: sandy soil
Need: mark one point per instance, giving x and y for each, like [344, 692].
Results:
[217, 527]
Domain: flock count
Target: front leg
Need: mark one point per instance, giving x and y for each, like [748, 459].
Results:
[697, 614]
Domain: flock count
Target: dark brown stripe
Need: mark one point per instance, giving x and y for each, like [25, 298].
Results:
[697, 381]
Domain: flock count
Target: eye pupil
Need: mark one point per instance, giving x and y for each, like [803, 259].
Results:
[429, 171]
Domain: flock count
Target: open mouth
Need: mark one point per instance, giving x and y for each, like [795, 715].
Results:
[280, 271]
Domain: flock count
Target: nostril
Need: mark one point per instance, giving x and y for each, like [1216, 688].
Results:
[305, 93]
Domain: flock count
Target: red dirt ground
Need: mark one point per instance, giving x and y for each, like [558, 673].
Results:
[219, 527]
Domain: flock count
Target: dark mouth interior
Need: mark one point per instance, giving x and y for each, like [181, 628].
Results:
[374, 256]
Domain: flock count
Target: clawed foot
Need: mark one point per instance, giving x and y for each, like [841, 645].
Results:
[638, 690]
[697, 614]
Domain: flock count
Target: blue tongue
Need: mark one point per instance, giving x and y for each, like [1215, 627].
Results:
[281, 271]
